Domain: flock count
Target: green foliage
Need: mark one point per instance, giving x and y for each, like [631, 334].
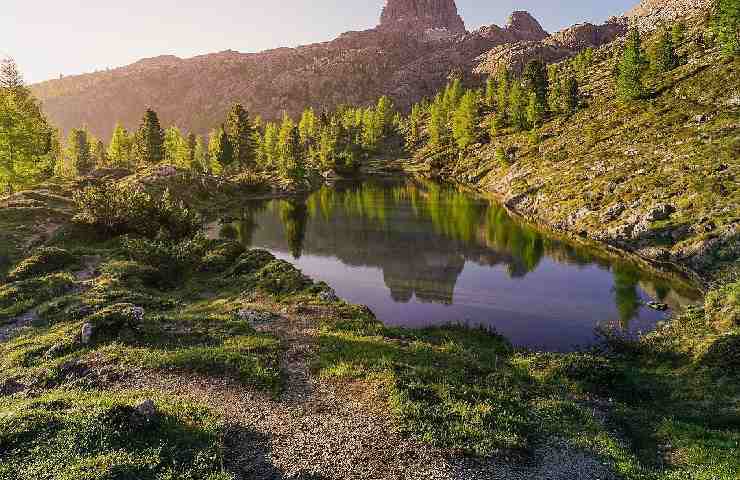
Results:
[79, 152]
[44, 260]
[290, 151]
[726, 21]
[570, 95]
[172, 261]
[535, 80]
[223, 154]
[149, 140]
[17, 298]
[535, 111]
[518, 102]
[120, 149]
[118, 209]
[663, 56]
[240, 131]
[26, 153]
[465, 120]
[631, 68]
[503, 80]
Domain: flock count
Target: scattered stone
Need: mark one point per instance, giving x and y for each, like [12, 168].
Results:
[145, 412]
[661, 211]
[661, 307]
[256, 317]
[54, 351]
[86, 333]
[329, 296]
[613, 212]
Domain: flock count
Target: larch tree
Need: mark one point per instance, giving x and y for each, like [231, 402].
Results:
[631, 68]
[224, 152]
[120, 148]
[726, 22]
[491, 92]
[290, 151]
[535, 81]
[570, 94]
[518, 106]
[240, 131]
[172, 143]
[79, 152]
[664, 57]
[150, 139]
[502, 96]
[465, 120]
[535, 111]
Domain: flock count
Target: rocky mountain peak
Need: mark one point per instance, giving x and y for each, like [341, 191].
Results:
[422, 16]
[524, 22]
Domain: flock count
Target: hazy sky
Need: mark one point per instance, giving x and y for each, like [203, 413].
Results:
[52, 37]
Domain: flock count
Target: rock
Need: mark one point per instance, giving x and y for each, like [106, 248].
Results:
[256, 317]
[422, 17]
[11, 387]
[613, 212]
[328, 296]
[661, 307]
[650, 14]
[86, 333]
[661, 211]
[54, 351]
[145, 413]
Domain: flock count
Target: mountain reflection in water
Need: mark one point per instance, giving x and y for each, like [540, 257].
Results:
[421, 254]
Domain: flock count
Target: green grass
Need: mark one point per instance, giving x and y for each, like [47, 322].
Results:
[76, 435]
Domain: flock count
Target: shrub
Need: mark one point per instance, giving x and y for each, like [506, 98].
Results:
[722, 307]
[130, 272]
[221, 257]
[43, 261]
[170, 260]
[281, 277]
[111, 320]
[251, 261]
[119, 209]
[19, 297]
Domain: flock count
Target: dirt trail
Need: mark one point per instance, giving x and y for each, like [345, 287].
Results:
[321, 430]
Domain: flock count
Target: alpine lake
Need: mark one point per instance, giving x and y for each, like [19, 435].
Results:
[421, 254]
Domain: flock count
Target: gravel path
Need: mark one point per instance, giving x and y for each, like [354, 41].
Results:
[321, 430]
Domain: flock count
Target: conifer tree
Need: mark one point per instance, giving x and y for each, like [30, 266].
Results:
[172, 144]
[502, 97]
[491, 92]
[268, 149]
[290, 151]
[150, 139]
[518, 106]
[678, 33]
[465, 120]
[535, 81]
[224, 152]
[187, 157]
[437, 126]
[384, 111]
[10, 76]
[631, 68]
[535, 111]
[413, 129]
[240, 131]
[726, 23]
[664, 55]
[570, 95]
[554, 99]
[120, 148]
[79, 152]
[201, 159]
[99, 153]
[308, 127]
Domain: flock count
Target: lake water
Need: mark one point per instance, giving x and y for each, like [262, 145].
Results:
[420, 254]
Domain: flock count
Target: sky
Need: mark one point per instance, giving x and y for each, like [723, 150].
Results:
[52, 37]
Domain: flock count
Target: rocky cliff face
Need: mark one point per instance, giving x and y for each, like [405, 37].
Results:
[430, 18]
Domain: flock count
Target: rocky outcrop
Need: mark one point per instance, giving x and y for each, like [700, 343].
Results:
[433, 19]
[651, 13]
[554, 48]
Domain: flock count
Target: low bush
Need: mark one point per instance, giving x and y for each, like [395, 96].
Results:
[110, 321]
[119, 209]
[172, 261]
[221, 257]
[281, 277]
[722, 307]
[19, 297]
[43, 261]
[251, 261]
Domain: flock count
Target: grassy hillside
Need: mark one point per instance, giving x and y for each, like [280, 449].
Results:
[599, 172]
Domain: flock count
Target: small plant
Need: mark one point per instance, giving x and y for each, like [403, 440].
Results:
[43, 261]
[171, 260]
[119, 209]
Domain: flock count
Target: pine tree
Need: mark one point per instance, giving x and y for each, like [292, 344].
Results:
[502, 98]
[518, 106]
[554, 99]
[570, 95]
[664, 55]
[290, 151]
[308, 127]
[726, 24]
[413, 129]
[631, 68]
[437, 126]
[328, 141]
[535, 81]
[224, 152]
[465, 121]
[678, 33]
[79, 152]
[10, 76]
[535, 111]
[201, 159]
[120, 148]
[172, 144]
[268, 149]
[239, 129]
[491, 92]
[187, 156]
[150, 139]
[99, 153]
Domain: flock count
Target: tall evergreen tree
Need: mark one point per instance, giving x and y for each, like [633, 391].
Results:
[79, 152]
[150, 139]
[120, 148]
[99, 153]
[554, 99]
[491, 92]
[535, 81]
[384, 111]
[268, 156]
[173, 141]
[726, 23]
[631, 68]
[10, 76]
[201, 158]
[571, 95]
[240, 131]
[225, 151]
[290, 151]
[518, 106]
[535, 111]
[664, 57]
[308, 127]
[465, 120]
[437, 127]
[502, 97]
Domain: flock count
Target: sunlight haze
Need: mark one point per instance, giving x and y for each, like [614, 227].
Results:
[52, 38]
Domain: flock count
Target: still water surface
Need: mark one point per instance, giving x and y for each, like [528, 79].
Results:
[420, 254]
